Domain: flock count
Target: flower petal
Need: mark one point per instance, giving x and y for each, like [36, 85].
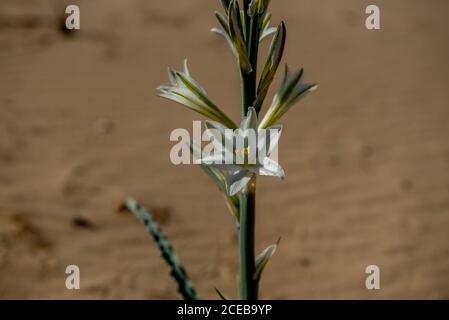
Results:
[237, 181]
[250, 121]
[187, 91]
[225, 136]
[266, 145]
[225, 167]
[292, 89]
[237, 33]
[271, 168]
[274, 137]
[213, 159]
[217, 161]
[274, 59]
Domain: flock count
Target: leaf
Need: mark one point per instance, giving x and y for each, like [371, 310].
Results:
[263, 258]
[237, 33]
[222, 296]
[274, 59]
[178, 272]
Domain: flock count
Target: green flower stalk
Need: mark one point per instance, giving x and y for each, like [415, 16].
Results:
[233, 167]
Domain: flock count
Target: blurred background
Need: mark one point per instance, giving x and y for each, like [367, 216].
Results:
[366, 156]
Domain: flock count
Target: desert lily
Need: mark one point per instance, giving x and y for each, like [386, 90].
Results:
[292, 89]
[235, 166]
[188, 92]
[244, 153]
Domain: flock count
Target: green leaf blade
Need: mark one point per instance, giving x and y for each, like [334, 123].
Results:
[177, 271]
[263, 258]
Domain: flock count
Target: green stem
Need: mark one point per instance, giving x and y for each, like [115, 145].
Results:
[248, 285]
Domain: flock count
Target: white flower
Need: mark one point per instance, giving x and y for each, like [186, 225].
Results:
[292, 89]
[244, 152]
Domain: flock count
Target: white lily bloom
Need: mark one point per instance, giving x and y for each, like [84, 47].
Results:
[244, 152]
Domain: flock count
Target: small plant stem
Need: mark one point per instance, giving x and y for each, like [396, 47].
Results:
[248, 285]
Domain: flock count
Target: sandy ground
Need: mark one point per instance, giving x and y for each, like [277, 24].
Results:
[366, 156]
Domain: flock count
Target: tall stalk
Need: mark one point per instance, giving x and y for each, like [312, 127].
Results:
[248, 284]
[243, 30]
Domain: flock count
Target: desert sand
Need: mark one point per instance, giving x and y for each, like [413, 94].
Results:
[81, 128]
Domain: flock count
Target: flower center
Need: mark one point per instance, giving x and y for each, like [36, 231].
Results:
[244, 153]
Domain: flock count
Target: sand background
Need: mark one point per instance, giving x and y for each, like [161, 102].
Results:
[366, 156]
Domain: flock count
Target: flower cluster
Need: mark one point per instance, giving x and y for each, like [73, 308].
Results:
[188, 92]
